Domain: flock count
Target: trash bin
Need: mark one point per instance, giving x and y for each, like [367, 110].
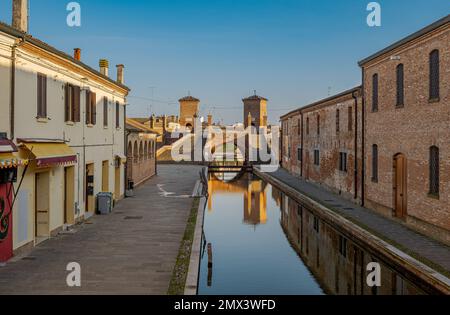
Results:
[104, 203]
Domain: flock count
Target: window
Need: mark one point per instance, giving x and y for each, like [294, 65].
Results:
[105, 111]
[338, 118]
[434, 171]
[318, 125]
[72, 103]
[316, 157]
[343, 246]
[91, 108]
[375, 93]
[343, 162]
[41, 95]
[375, 163]
[307, 126]
[300, 154]
[117, 115]
[400, 86]
[350, 119]
[434, 75]
[299, 130]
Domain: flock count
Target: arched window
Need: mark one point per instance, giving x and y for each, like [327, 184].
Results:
[434, 171]
[375, 163]
[434, 75]
[400, 85]
[135, 153]
[375, 92]
[146, 150]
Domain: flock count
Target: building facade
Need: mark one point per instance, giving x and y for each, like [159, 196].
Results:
[400, 134]
[141, 152]
[68, 120]
[189, 109]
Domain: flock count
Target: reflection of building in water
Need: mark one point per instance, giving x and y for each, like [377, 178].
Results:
[255, 197]
[337, 263]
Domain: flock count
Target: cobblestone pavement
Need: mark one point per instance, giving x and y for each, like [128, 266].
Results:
[132, 251]
[423, 246]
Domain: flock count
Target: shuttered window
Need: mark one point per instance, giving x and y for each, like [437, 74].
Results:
[316, 157]
[307, 126]
[375, 163]
[338, 121]
[105, 111]
[117, 115]
[434, 75]
[350, 119]
[300, 154]
[91, 108]
[375, 93]
[76, 104]
[434, 171]
[41, 95]
[72, 103]
[400, 85]
[318, 125]
[343, 162]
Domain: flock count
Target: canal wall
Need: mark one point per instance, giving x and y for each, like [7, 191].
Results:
[415, 271]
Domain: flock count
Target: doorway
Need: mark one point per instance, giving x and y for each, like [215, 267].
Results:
[42, 206]
[400, 185]
[89, 194]
[117, 195]
[69, 195]
[105, 176]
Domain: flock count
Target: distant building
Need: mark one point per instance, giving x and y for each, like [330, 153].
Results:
[189, 109]
[255, 111]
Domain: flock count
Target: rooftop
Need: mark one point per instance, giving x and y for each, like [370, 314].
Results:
[189, 99]
[255, 98]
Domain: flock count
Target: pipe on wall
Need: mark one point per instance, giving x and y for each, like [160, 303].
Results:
[355, 98]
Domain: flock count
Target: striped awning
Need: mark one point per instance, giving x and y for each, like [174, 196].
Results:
[9, 160]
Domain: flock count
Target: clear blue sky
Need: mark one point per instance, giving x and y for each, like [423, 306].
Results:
[290, 51]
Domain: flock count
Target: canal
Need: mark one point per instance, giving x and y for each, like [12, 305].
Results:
[258, 241]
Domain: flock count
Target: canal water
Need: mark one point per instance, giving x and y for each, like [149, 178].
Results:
[258, 241]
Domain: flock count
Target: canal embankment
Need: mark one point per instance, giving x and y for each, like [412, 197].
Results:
[420, 259]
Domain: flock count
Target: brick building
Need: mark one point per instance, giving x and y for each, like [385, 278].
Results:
[407, 126]
[319, 143]
[401, 126]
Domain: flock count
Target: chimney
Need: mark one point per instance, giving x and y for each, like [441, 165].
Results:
[20, 15]
[120, 74]
[77, 54]
[104, 67]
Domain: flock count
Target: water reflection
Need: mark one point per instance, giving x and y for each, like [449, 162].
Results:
[289, 250]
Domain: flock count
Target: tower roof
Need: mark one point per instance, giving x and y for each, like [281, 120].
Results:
[255, 98]
[189, 99]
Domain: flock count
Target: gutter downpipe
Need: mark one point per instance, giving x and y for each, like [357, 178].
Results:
[363, 140]
[12, 95]
[355, 98]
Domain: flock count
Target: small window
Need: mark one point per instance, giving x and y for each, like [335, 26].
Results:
[307, 126]
[105, 112]
[316, 157]
[41, 95]
[350, 118]
[434, 171]
[300, 154]
[343, 162]
[338, 118]
[299, 130]
[91, 108]
[375, 163]
[375, 93]
[318, 125]
[434, 75]
[400, 86]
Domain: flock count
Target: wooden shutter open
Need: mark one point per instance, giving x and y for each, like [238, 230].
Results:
[76, 103]
[93, 108]
[88, 107]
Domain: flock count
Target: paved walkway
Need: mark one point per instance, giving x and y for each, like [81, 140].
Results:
[423, 246]
[132, 251]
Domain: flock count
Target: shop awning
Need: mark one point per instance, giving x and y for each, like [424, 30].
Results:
[50, 154]
[10, 160]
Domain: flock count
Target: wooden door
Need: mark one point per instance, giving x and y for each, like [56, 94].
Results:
[42, 216]
[400, 185]
[69, 195]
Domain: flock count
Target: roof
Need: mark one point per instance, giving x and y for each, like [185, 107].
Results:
[28, 38]
[133, 125]
[344, 93]
[189, 99]
[407, 39]
[255, 98]
[141, 120]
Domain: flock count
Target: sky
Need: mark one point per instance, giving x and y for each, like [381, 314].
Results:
[292, 52]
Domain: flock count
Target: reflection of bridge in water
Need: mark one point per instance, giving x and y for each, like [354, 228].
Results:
[254, 193]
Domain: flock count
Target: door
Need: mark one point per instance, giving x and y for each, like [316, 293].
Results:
[42, 206]
[69, 195]
[90, 184]
[105, 176]
[117, 186]
[400, 186]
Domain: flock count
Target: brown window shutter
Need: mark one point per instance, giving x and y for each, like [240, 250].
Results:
[39, 96]
[76, 103]
[105, 111]
[44, 93]
[88, 107]
[94, 108]
[117, 115]
[67, 102]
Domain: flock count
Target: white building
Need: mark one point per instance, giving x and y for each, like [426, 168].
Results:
[68, 120]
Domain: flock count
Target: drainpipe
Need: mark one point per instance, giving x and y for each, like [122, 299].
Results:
[363, 140]
[355, 98]
[12, 104]
[125, 145]
[301, 143]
